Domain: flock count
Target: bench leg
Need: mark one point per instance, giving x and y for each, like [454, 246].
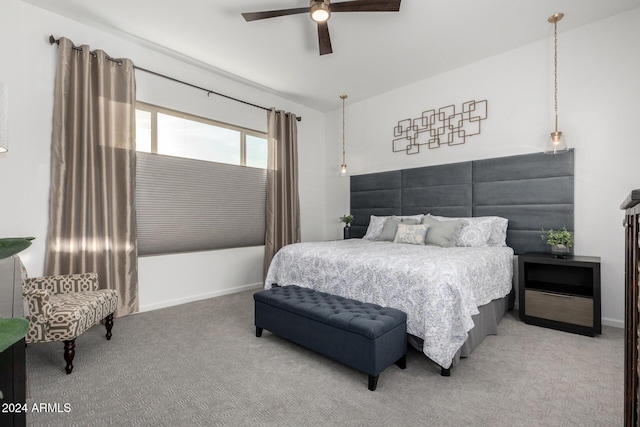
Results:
[402, 362]
[373, 382]
[445, 372]
[69, 354]
[258, 332]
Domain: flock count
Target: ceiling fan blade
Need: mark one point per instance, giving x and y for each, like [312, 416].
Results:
[254, 16]
[324, 41]
[366, 6]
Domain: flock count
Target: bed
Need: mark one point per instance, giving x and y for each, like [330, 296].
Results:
[454, 296]
[440, 289]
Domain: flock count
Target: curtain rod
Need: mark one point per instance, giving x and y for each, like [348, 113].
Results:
[53, 40]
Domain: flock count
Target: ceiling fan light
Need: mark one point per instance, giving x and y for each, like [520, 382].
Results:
[320, 10]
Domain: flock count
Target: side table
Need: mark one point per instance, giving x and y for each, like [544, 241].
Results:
[560, 293]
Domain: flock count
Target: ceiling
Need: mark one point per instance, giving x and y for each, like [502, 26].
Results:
[373, 53]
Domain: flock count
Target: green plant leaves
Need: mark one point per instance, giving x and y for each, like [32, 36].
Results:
[12, 330]
[12, 245]
[558, 237]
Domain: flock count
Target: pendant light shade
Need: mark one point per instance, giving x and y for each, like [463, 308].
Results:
[557, 142]
[343, 167]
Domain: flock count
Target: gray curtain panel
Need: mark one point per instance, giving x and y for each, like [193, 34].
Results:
[92, 224]
[283, 204]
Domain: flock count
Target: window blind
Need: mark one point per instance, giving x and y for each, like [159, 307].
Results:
[186, 205]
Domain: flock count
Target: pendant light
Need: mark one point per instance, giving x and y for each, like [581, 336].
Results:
[557, 142]
[343, 167]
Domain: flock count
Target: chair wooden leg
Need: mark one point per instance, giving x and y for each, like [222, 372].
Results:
[108, 323]
[69, 354]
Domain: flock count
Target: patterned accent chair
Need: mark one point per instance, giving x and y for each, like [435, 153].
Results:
[63, 307]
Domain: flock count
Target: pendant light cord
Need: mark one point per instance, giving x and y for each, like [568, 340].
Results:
[343, 149]
[555, 69]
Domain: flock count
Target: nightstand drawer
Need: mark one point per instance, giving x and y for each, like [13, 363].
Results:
[559, 307]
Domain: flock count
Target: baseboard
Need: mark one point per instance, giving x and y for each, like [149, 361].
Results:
[606, 321]
[192, 298]
[615, 323]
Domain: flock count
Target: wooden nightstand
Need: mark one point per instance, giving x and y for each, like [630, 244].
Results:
[560, 293]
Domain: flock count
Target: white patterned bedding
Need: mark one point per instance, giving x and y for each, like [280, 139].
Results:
[439, 288]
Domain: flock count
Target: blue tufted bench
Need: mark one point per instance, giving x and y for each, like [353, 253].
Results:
[366, 337]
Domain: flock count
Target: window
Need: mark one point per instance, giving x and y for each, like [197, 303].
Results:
[163, 131]
[200, 184]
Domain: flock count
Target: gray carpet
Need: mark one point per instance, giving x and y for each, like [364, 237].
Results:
[201, 364]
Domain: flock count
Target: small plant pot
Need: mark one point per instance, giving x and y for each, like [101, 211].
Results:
[560, 251]
[347, 232]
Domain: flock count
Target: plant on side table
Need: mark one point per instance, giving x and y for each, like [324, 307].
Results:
[347, 219]
[560, 241]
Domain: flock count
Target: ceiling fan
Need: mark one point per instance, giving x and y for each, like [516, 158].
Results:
[320, 12]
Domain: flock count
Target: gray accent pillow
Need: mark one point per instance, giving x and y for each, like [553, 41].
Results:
[390, 227]
[498, 235]
[442, 233]
[377, 222]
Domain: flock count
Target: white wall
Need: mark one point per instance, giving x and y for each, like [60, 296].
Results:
[27, 67]
[599, 91]
[598, 104]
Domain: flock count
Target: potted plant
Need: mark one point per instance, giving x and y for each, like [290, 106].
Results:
[347, 219]
[560, 241]
[10, 246]
[12, 330]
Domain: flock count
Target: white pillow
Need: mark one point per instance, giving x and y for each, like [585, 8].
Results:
[412, 234]
[499, 231]
[375, 227]
[376, 223]
[475, 234]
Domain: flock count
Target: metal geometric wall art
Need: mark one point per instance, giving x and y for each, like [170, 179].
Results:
[435, 128]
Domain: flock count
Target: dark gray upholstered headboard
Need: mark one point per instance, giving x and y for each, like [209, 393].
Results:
[533, 191]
